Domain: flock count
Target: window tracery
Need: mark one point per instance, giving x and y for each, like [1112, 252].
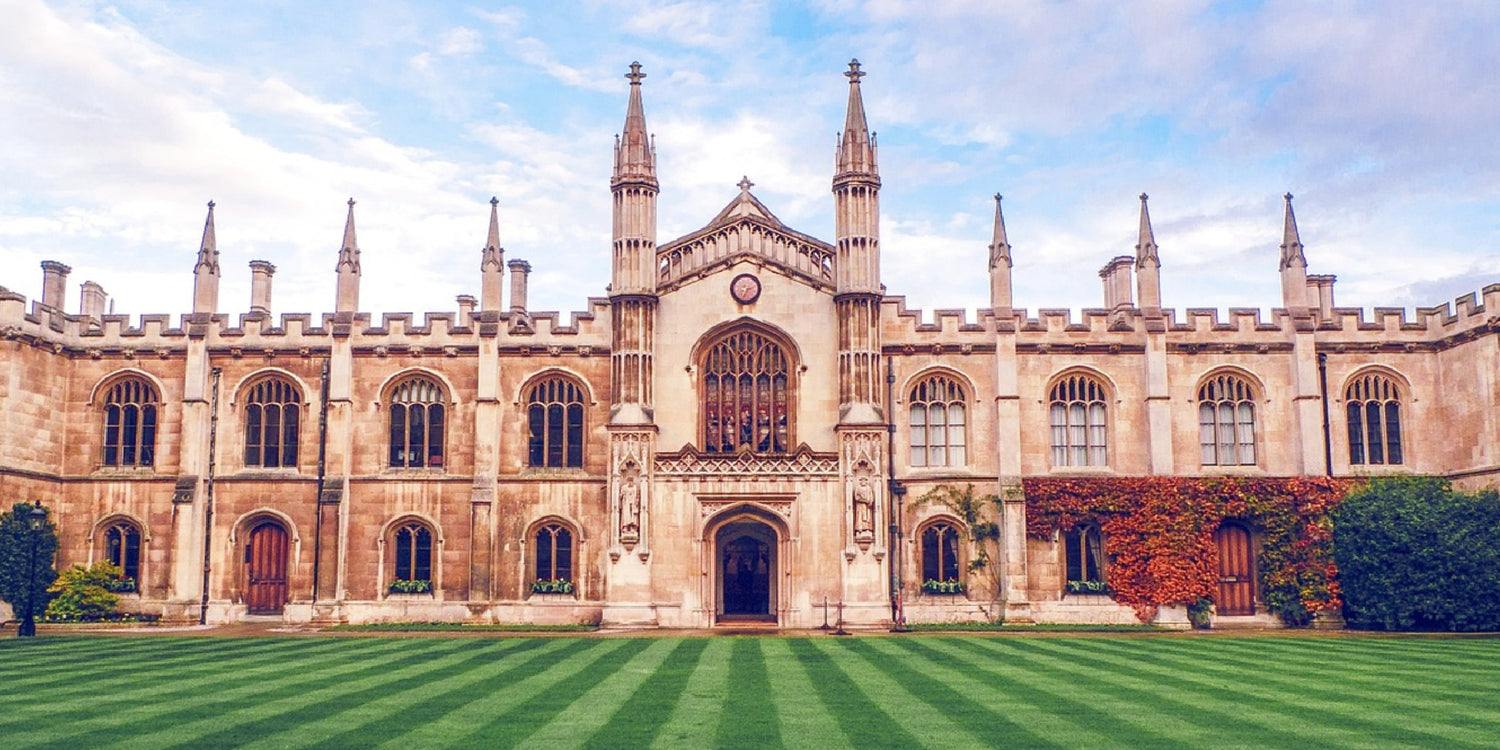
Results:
[273, 413]
[1226, 421]
[938, 413]
[418, 423]
[130, 414]
[554, 415]
[746, 395]
[1373, 405]
[1078, 421]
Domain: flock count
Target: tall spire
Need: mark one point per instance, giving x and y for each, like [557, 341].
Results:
[999, 245]
[492, 264]
[856, 152]
[206, 272]
[1145, 244]
[1147, 265]
[635, 158]
[1000, 264]
[1291, 241]
[348, 268]
[1293, 265]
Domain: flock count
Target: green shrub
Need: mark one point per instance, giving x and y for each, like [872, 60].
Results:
[1413, 554]
[85, 593]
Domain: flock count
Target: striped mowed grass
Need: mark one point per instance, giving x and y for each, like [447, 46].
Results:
[750, 692]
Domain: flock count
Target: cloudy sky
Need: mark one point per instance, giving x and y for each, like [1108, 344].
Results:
[123, 119]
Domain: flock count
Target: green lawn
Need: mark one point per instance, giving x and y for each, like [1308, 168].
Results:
[1172, 691]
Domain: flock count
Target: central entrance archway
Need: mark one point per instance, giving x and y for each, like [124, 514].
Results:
[746, 563]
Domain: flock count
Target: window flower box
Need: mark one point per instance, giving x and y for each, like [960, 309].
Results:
[558, 586]
[1088, 587]
[123, 585]
[943, 588]
[417, 586]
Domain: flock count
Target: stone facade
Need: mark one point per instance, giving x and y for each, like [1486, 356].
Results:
[728, 435]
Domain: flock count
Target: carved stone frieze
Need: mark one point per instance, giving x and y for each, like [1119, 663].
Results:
[803, 463]
[707, 508]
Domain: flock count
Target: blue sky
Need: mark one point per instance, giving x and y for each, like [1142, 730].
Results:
[124, 119]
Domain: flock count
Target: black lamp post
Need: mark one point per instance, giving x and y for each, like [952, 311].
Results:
[28, 623]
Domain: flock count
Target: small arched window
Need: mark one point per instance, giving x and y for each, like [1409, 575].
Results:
[554, 416]
[1084, 549]
[939, 552]
[1078, 422]
[938, 422]
[554, 552]
[273, 411]
[414, 553]
[418, 419]
[130, 409]
[1373, 404]
[746, 395]
[1226, 421]
[122, 548]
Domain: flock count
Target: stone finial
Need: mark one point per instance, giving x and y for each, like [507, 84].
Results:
[635, 159]
[206, 272]
[1291, 240]
[856, 152]
[348, 268]
[492, 264]
[745, 184]
[999, 244]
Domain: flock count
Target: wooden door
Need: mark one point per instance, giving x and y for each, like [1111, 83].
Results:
[1236, 570]
[746, 575]
[265, 569]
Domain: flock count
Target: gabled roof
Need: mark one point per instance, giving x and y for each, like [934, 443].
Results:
[775, 244]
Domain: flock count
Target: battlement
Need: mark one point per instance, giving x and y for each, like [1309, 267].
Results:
[45, 324]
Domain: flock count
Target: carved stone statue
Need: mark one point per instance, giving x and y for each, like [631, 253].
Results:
[864, 508]
[630, 507]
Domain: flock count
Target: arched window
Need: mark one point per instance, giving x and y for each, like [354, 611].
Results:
[746, 395]
[939, 552]
[417, 423]
[554, 415]
[938, 422]
[1373, 403]
[554, 553]
[1226, 421]
[130, 409]
[1078, 422]
[122, 548]
[413, 556]
[1085, 560]
[273, 413]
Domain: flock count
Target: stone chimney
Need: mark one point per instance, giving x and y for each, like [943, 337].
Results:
[520, 322]
[260, 286]
[91, 303]
[466, 303]
[54, 283]
[1320, 295]
[1116, 276]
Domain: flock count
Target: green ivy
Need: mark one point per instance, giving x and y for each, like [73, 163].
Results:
[415, 586]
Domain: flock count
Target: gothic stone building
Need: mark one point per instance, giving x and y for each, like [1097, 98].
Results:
[728, 435]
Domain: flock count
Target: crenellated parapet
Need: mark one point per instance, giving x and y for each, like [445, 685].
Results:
[436, 332]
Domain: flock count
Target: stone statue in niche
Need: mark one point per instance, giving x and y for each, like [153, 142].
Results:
[864, 511]
[630, 507]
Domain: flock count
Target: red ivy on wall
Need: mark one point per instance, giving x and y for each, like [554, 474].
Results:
[1159, 535]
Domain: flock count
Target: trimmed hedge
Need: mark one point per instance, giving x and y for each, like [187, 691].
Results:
[1414, 554]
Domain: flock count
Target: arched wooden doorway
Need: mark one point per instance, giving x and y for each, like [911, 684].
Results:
[745, 569]
[1236, 570]
[266, 568]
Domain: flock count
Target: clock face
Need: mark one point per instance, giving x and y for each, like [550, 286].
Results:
[745, 288]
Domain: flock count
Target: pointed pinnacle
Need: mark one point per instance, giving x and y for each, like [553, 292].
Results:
[999, 244]
[1291, 239]
[1145, 244]
[208, 250]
